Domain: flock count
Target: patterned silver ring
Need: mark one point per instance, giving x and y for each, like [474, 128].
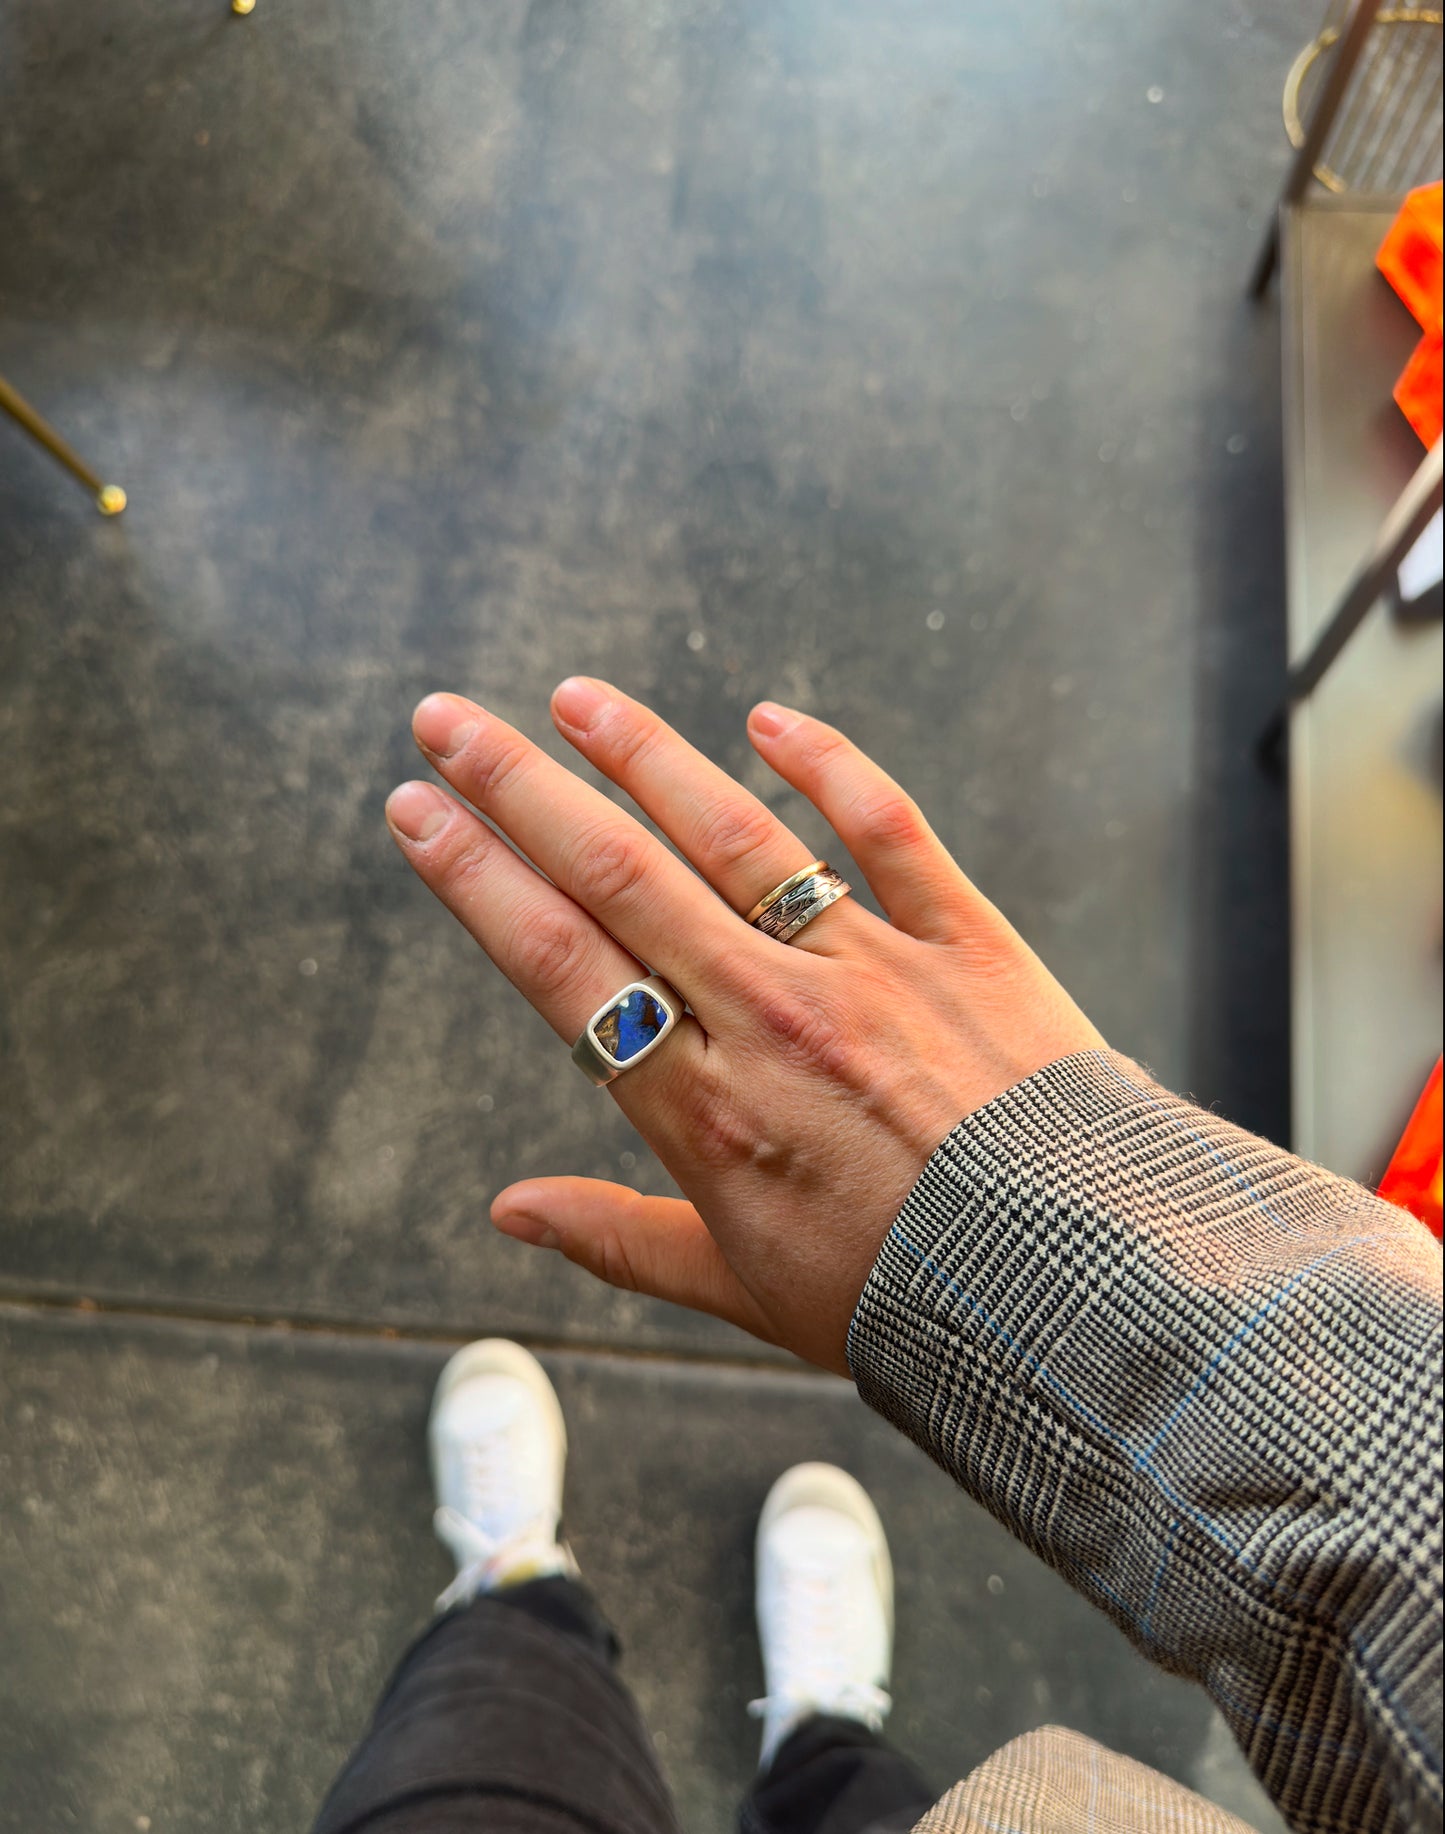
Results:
[629, 1027]
[800, 898]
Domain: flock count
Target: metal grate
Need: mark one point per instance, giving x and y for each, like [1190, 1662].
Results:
[1387, 136]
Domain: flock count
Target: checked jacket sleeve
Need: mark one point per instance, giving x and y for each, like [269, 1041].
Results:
[1201, 1378]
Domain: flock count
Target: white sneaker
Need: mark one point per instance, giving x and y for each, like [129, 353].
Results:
[825, 1604]
[498, 1453]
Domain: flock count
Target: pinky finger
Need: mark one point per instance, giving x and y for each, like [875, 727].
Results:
[654, 1245]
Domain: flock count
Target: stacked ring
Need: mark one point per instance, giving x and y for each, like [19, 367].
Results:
[798, 900]
[628, 1028]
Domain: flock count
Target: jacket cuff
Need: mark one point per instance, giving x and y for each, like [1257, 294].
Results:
[1085, 1207]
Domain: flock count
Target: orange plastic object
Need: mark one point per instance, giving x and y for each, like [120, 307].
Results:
[1411, 260]
[1412, 1179]
[1418, 390]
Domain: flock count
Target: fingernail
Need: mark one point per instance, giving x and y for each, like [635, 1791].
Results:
[531, 1229]
[444, 722]
[579, 702]
[418, 811]
[771, 720]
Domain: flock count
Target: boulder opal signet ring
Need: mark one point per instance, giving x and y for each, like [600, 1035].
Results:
[628, 1028]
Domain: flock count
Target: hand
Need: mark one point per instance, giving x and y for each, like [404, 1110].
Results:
[799, 1105]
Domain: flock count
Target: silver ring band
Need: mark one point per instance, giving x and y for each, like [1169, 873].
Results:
[791, 906]
[627, 1028]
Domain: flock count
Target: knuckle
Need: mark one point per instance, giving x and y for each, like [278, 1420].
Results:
[546, 952]
[716, 1133]
[491, 775]
[630, 739]
[886, 820]
[465, 869]
[610, 869]
[730, 836]
[613, 1263]
[824, 747]
[811, 1036]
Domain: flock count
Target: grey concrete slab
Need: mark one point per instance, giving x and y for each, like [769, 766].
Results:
[214, 1543]
[888, 362]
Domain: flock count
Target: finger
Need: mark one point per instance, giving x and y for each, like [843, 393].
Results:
[599, 855]
[912, 873]
[737, 844]
[654, 1245]
[548, 947]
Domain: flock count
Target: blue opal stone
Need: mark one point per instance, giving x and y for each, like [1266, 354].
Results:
[629, 1026]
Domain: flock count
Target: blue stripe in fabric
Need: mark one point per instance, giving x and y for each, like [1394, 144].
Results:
[1242, 1707]
[1141, 1462]
[1255, 1319]
[1146, 1621]
[1193, 1133]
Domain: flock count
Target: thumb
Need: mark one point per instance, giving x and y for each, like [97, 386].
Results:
[654, 1245]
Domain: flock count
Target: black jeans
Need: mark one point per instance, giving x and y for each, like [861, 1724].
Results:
[507, 1717]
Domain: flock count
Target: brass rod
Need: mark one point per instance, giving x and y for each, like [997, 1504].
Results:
[110, 498]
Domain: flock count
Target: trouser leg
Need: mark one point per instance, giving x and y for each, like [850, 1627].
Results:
[834, 1776]
[506, 1716]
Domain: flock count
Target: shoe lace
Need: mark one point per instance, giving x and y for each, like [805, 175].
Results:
[811, 1645]
[486, 1465]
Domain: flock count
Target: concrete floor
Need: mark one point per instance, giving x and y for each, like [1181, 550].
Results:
[886, 360]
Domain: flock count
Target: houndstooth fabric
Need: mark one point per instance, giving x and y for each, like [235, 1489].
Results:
[1202, 1379]
[1057, 1782]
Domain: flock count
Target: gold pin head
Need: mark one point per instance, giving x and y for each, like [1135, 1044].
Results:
[242, 6]
[110, 500]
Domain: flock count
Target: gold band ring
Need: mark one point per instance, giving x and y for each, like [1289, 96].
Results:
[802, 896]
